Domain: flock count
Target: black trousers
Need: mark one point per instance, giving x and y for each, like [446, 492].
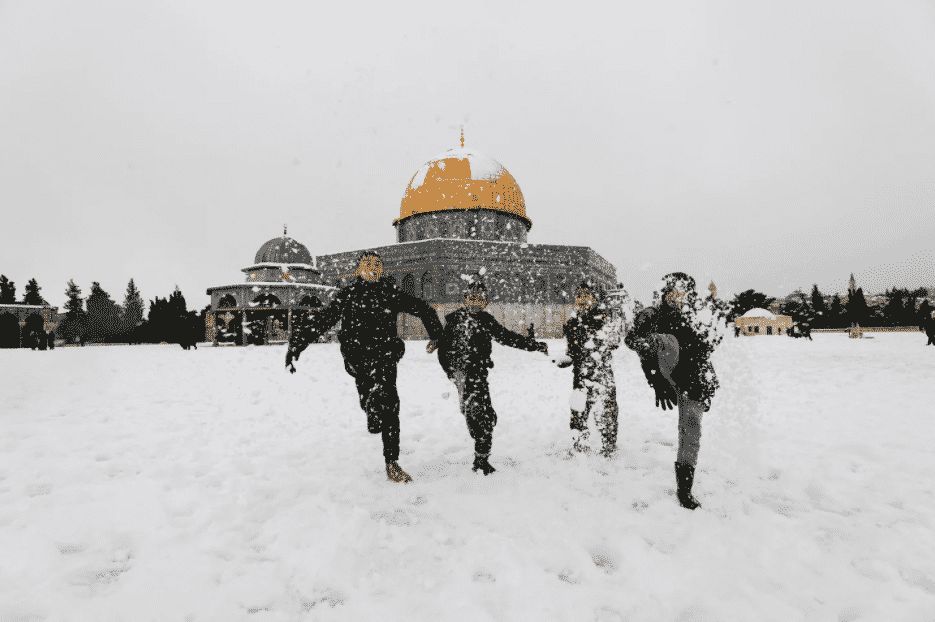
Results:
[375, 375]
[474, 399]
[931, 336]
[601, 401]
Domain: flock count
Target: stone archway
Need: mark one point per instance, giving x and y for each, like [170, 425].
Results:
[310, 301]
[428, 291]
[31, 328]
[227, 302]
[409, 285]
[9, 331]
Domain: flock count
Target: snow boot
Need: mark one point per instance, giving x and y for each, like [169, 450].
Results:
[395, 474]
[609, 451]
[581, 439]
[684, 477]
[480, 462]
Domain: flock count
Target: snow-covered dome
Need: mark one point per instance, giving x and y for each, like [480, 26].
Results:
[283, 250]
[758, 313]
[462, 179]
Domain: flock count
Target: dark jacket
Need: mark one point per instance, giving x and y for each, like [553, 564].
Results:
[693, 375]
[367, 312]
[590, 347]
[466, 343]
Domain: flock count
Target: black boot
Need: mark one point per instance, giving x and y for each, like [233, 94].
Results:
[684, 477]
[480, 462]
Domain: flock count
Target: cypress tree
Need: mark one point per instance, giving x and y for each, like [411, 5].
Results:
[836, 314]
[7, 291]
[133, 308]
[31, 295]
[102, 314]
[74, 326]
[857, 310]
[818, 307]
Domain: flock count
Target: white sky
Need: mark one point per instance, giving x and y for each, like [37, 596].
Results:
[764, 145]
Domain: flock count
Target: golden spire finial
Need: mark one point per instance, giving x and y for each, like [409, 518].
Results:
[462, 137]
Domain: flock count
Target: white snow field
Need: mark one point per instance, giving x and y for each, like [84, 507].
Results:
[150, 483]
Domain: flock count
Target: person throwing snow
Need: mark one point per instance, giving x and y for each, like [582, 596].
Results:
[371, 349]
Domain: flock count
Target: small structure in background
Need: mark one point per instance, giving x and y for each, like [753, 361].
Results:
[282, 285]
[762, 322]
[25, 326]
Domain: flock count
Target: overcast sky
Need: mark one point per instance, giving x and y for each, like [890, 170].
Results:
[761, 145]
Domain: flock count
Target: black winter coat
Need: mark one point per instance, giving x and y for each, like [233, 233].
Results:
[694, 375]
[590, 346]
[367, 312]
[466, 343]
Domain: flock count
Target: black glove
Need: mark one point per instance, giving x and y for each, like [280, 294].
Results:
[289, 364]
[665, 394]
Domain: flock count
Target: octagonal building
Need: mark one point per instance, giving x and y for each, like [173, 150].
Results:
[462, 213]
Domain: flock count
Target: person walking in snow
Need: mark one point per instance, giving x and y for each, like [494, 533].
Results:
[464, 353]
[674, 340]
[367, 309]
[592, 334]
[928, 325]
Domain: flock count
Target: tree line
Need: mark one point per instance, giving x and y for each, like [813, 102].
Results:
[902, 307]
[99, 319]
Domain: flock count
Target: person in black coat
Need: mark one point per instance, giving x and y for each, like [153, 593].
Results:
[367, 309]
[928, 325]
[674, 340]
[592, 335]
[464, 353]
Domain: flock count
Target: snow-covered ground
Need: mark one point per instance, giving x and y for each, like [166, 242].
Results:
[150, 483]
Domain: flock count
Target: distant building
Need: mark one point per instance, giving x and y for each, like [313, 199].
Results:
[17, 321]
[762, 322]
[282, 282]
[462, 213]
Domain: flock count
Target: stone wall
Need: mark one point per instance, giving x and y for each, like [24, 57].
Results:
[473, 224]
[514, 273]
[548, 320]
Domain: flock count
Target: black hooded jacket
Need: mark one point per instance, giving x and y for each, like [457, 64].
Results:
[367, 312]
[466, 344]
[694, 375]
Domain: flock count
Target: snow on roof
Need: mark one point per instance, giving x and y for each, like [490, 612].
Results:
[483, 167]
[758, 313]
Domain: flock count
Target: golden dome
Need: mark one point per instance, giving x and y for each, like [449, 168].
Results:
[461, 179]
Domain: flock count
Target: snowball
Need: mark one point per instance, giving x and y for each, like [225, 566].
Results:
[482, 271]
[578, 399]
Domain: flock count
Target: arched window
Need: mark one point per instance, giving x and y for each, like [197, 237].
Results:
[428, 292]
[9, 331]
[310, 301]
[227, 302]
[409, 285]
[266, 300]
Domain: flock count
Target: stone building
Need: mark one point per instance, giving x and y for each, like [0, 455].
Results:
[18, 320]
[282, 281]
[762, 322]
[462, 213]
